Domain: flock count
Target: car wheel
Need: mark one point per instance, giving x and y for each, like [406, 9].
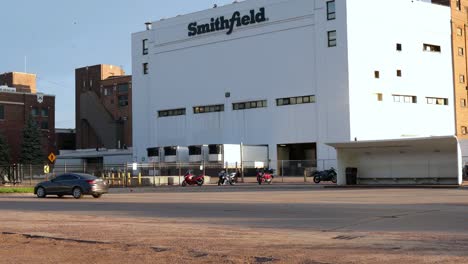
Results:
[97, 195]
[60, 195]
[77, 193]
[41, 192]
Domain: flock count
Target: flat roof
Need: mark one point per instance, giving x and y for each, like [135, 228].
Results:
[393, 143]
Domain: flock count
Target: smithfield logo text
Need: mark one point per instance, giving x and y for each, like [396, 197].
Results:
[221, 23]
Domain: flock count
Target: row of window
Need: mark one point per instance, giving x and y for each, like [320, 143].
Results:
[331, 15]
[173, 112]
[250, 105]
[208, 109]
[426, 47]
[42, 124]
[411, 99]
[399, 73]
[40, 112]
[239, 106]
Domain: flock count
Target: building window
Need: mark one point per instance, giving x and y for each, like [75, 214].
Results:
[398, 47]
[379, 97]
[123, 100]
[458, 5]
[44, 112]
[463, 102]
[461, 78]
[172, 112]
[377, 74]
[459, 31]
[437, 101]
[309, 99]
[332, 38]
[145, 46]
[2, 112]
[398, 73]
[44, 125]
[249, 105]
[331, 11]
[460, 52]
[408, 99]
[145, 68]
[35, 111]
[431, 48]
[123, 88]
[208, 109]
[464, 130]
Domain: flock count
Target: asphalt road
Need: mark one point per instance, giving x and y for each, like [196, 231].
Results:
[279, 207]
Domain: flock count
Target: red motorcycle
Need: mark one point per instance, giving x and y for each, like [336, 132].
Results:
[265, 176]
[191, 179]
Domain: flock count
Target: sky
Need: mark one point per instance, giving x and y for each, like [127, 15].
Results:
[51, 38]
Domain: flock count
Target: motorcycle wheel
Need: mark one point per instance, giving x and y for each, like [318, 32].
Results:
[184, 183]
[200, 182]
[232, 182]
[334, 179]
[317, 179]
[259, 182]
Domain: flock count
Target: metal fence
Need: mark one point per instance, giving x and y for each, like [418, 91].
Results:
[158, 173]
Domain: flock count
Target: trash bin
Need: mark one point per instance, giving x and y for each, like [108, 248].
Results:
[351, 176]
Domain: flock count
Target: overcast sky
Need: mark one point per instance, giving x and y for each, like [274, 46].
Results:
[57, 36]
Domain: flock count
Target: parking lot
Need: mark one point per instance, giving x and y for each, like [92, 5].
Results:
[242, 224]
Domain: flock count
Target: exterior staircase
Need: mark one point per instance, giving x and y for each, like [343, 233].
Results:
[93, 112]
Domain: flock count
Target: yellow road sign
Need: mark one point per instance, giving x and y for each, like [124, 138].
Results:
[46, 169]
[52, 157]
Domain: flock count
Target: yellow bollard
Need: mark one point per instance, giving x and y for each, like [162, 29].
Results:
[139, 179]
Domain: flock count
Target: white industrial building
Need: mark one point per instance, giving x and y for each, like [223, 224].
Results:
[294, 75]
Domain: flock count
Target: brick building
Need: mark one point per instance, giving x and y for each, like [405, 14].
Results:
[20, 102]
[23, 82]
[103, 107]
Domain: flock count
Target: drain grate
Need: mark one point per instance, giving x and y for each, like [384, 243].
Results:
[264, 259]
[347, 237]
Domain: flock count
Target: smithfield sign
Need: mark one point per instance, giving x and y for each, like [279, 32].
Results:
[221, 23]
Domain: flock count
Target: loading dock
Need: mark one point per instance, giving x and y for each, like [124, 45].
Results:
[416, 161]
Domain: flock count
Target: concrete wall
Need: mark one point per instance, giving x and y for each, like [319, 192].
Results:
[286, 56]
[372, 47]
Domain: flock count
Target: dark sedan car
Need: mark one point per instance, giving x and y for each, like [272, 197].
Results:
[76, 184]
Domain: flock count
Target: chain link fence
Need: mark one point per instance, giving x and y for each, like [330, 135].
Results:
[157, 174]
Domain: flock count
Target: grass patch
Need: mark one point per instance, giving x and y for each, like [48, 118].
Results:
[16, 190]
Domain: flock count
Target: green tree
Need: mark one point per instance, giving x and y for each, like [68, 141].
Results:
[4, 152]
[31, 148]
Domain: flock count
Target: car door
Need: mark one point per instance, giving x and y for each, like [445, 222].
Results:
[54, 185]
[67, 183]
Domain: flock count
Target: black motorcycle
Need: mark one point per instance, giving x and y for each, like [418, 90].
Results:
[326, 175]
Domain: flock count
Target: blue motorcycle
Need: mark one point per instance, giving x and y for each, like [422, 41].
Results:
[326, 175]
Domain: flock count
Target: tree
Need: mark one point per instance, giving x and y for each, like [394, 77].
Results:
[4, 152]
[31, 148]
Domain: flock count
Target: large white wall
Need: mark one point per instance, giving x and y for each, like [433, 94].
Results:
[375, 27]
[286, 56]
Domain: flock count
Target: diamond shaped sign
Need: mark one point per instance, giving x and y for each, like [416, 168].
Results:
[52, 157]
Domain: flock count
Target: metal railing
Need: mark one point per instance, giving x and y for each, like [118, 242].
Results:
[159, 173]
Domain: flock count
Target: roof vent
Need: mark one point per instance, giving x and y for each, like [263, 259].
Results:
[149, 25]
